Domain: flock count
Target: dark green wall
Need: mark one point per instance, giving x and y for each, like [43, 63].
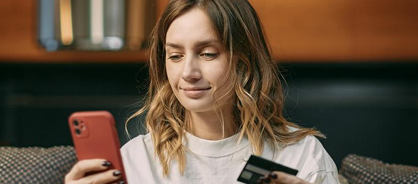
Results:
[366, 109]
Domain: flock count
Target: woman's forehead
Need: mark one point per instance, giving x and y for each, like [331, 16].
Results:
[194, 25]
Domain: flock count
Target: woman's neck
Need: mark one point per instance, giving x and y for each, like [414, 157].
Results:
[211, 125]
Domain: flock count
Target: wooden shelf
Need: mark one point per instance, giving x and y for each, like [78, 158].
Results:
[76, 57]
[18, 40]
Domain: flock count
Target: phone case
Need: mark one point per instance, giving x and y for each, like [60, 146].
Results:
[95, 136]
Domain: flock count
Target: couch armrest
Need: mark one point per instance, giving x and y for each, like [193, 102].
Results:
[359, 169]
[35, 164]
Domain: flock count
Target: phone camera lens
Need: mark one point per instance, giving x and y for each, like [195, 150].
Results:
[76, 123]
[78, 131]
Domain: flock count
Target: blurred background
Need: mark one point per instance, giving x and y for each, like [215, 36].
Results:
[351, 68]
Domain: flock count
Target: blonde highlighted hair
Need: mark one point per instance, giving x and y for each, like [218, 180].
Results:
[258, 101]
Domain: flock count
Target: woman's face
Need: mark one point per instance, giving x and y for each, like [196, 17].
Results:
[196, 63]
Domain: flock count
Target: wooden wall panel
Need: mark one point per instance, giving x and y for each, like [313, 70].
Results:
[16, 32]
[298, 31]
[344, 30]
[339, 31]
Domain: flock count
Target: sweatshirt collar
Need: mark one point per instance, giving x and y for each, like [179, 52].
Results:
[214, 148]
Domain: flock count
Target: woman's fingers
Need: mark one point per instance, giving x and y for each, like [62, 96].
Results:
[82, 167]
[286, 178]
[281, 178]
[103, 177]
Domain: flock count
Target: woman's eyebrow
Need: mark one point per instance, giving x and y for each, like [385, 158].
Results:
[173, 45]
[205, 43]
[198, 44]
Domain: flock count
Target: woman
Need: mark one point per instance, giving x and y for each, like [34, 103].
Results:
[214, 99]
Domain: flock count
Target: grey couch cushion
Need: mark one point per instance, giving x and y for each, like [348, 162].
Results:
[35, 165]
[359, 169]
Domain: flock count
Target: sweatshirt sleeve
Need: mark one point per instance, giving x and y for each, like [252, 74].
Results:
[319, 164]
[323, 177]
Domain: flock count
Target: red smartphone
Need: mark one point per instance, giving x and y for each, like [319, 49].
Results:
[95, 136]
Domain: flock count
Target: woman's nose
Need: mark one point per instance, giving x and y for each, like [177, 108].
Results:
[191, 69]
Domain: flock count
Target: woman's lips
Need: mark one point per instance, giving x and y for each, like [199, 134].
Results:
[195, 92]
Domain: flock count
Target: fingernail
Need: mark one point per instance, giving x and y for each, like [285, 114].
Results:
[106, 163]
[273, 175]
[121, 182]
[117, 173]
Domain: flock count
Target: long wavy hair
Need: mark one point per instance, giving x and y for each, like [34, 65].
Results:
[258, 100]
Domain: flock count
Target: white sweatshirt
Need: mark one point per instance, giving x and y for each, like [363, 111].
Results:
[221, 161]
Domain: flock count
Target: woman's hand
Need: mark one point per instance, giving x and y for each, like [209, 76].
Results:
[281, 178]
[79, 170]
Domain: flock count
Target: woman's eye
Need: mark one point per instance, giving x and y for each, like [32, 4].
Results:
[175, 57]
[209, 55]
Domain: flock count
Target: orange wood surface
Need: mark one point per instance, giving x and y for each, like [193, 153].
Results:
[18, 40]
[343, 30]
[298, 31]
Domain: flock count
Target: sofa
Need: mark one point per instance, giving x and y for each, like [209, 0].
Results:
[35, 165]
